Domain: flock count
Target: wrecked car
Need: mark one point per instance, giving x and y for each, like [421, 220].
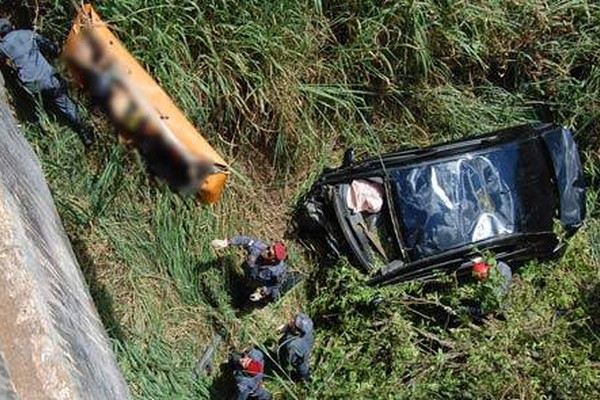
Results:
[410, 215]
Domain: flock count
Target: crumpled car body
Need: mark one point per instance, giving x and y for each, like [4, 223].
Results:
[517, 193]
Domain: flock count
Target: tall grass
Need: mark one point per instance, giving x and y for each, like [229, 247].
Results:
[282, 88]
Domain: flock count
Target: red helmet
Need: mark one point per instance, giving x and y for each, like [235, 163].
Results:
[279, 251]
[480, 270]
[255, 367]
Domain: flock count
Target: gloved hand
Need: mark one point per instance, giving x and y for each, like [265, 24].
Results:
[282, 328]
[258, 294]
[219, 244]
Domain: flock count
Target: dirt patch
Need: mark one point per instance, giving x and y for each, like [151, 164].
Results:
[262, 203]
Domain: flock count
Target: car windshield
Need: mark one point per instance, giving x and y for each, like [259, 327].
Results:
[473, 197]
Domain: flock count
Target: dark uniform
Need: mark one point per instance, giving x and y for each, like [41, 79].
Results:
[249, 381]
[506, 273]
[23, 49]
[295, 346]
[268, 275]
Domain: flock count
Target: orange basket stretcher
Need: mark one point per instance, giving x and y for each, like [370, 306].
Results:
[170, 145]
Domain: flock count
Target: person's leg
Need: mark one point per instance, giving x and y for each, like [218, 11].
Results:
[262, 394]
[473, 309]
[272, 288]
[274, 292]
[304, 371]
[59, 100]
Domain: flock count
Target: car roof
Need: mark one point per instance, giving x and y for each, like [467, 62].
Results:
[470, 197]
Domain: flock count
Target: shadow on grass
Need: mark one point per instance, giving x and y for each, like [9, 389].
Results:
[101, 296]
[432, 314]
[436, 313]
[232, 282]
[223, 386]
[23, 103]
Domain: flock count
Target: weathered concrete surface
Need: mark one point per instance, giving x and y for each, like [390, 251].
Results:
[52, 343]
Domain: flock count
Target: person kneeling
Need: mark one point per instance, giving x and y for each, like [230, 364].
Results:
[295, 346]
[265, 264]
[248, 371]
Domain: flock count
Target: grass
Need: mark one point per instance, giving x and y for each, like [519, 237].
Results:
[281, 89]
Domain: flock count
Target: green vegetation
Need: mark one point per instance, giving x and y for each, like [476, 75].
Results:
[281, 88]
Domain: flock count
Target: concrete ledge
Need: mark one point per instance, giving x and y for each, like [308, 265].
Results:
[52, 343]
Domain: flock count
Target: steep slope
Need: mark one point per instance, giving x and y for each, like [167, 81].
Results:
[52, 343]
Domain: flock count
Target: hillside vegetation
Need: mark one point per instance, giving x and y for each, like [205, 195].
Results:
[281, 88]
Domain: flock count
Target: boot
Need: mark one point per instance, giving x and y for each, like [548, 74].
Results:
[87, 137]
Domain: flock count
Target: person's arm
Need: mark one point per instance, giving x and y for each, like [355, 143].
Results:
[243, 392]
[3, 56]
[253, 246]
[278, 270]
[296, 358]
[242, 241]
[46, 46]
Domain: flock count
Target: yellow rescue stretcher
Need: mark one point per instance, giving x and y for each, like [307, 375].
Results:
[143, 112]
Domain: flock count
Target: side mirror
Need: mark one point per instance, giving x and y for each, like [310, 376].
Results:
[348, 158]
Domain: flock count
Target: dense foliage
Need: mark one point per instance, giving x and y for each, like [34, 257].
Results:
[282, 88]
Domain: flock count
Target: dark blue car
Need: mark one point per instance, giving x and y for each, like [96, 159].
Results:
[412, 214]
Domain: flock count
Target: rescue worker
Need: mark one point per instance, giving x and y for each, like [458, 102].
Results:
[482, 272]
[295, 346]
[248, 371]
[23, 48]
[265, 264]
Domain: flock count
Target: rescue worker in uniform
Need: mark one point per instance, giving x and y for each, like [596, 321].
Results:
[23, 48]
[481, 272]
[265, 264]
[295, 346]
[248, 371]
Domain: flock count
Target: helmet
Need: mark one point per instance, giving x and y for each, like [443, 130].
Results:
[279, 251]
[480, 270]
[254, 367]
[303, 323]
[5, 26]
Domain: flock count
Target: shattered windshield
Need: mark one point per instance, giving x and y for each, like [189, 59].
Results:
[474, 197]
